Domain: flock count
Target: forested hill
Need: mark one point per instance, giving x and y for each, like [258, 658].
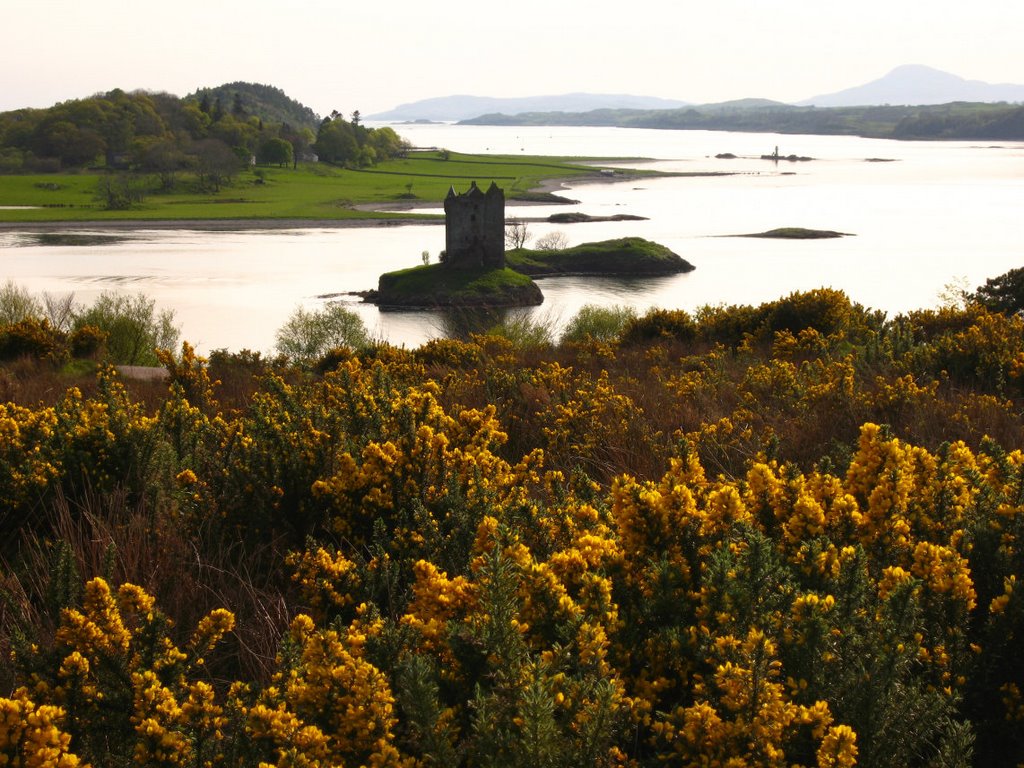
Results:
[957, 120]
[266, 102]
[158, 133]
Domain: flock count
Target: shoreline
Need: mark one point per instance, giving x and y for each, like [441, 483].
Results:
[241, 225]
[554, 184]
[208, 225]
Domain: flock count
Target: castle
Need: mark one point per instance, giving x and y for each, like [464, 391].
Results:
[475, 228]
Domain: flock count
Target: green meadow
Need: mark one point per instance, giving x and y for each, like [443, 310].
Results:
[312, 191]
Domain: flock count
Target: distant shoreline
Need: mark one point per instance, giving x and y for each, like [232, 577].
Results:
[554, 184]
[209, 225]
[236, 225]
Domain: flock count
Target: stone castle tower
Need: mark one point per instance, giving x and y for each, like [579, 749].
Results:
[475, 228]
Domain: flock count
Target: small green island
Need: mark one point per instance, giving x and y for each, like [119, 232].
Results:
[476, 270]
[621, 257]
[435, 285]
[797, 233]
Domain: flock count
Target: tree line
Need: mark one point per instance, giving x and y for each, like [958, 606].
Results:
[164, 135]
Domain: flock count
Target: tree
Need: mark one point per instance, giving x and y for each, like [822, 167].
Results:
[517, 234]
[216, 164]
[59, 310]
[386, 143]
[309, 335]
[73, 145]
[236, 133]
[1004, 293]
[336, 142]
[120, 191]
[165, 159]
[552, 241]
[276, 151]
[195, 121]
[301, 139]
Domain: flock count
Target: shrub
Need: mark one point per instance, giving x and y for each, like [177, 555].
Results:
[121, 192]
[660, 324]
[332, 359]
[28, 338]
[597, 323]
[87, 341]
[826, 310]
[134, 329]
[524, 331]
[728, 324]
[309, 335]
[17, 304]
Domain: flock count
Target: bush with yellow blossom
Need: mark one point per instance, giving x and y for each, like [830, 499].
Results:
[778, 535]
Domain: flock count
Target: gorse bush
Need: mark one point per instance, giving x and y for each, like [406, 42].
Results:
[127, 329]
[777, 535]
[28, 338]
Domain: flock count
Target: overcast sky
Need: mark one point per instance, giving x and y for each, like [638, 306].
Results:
[373, 55]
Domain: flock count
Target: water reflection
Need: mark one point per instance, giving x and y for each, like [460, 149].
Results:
[461, 323]
[76, 239]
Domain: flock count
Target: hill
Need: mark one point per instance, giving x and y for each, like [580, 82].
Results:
[465, 107]
[269, 104]
[916, 84]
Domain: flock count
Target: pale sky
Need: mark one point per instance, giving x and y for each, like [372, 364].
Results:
[372, 56]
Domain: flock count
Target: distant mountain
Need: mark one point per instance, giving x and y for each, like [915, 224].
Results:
[916, 84]
[270, 104]
[456, 108]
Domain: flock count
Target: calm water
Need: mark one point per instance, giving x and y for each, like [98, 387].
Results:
[938, 213]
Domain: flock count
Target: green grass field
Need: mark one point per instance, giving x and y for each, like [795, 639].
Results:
[315, 191]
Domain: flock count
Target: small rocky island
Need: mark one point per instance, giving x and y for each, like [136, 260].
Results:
[475, 270]
[797, 233]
